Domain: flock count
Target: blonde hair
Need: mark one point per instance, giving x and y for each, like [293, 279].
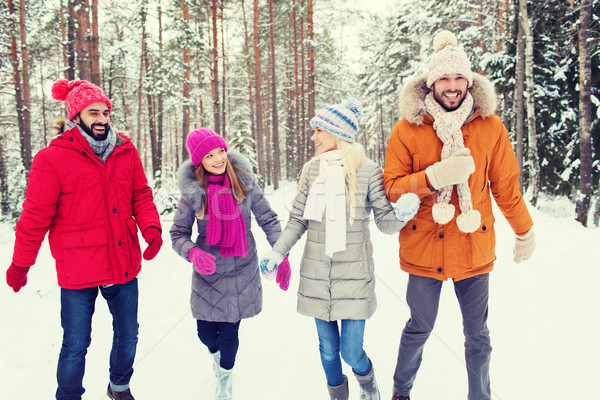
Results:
[353, 155]
[238, 190]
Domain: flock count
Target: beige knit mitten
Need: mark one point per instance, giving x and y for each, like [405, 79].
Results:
[452, 170]
[524, 246]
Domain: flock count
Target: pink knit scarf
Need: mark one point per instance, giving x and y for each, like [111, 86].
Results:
[225, 225]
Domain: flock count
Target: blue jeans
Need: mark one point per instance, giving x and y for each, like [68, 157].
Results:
[348, 343]
[220, 336]
[77, 308]
[423, 296]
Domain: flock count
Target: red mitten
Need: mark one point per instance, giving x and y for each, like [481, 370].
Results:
[202, 261]
[16, 277]
[153, 237]
[284, 273]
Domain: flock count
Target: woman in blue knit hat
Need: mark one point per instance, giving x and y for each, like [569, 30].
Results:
[337, 191]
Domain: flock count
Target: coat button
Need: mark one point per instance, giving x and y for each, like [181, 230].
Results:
[414, 227]
[440, 270]
[126, 274]
[441, 235]
[483, 228]
[71, 138]
[114, 210]
[120, 243]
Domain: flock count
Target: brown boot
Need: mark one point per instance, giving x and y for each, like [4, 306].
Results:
[126, 395]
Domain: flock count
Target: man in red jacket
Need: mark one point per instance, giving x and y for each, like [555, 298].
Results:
[454, 152]
[89, 191]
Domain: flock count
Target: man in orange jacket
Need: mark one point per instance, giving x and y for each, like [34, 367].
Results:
[453, 151]
[89, 190]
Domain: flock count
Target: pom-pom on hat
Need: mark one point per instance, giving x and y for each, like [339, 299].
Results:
[202, 141]
[448, 58]
[78, 95]
[339, 119]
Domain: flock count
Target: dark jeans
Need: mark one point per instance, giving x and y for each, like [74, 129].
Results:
[77, 308]
[220, 336]
[423, 296]
[348, 343]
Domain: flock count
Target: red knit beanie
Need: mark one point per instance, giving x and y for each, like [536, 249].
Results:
[78, 95]
[202, 141]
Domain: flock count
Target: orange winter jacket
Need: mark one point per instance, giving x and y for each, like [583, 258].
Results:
[442, 251]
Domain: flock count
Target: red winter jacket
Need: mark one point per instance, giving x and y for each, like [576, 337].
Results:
[91, 210]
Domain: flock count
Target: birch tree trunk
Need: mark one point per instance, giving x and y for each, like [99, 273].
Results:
[585, 112]
[260, 134]
[214, 71]
[518, 99]
[532, 153]
[95, 46]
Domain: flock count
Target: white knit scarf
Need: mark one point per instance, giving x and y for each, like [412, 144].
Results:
[447, 125]
[328, 195]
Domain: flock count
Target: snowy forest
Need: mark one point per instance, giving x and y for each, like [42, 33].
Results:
[255, 71]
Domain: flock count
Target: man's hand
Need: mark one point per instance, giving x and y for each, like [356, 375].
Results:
[452, 170]
[524, 246]
[153, 237]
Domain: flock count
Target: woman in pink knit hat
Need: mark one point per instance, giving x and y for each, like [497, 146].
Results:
[218, 194]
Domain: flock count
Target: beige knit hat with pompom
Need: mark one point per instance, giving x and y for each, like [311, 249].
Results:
[448, 59]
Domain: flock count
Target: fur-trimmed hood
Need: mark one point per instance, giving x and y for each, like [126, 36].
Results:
[191, 189]
[412, 98]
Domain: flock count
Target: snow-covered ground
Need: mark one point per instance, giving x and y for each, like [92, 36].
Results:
[544, 323]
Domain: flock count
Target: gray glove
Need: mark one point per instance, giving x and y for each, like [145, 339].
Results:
[452, 170]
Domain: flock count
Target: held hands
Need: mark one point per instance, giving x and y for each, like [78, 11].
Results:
[202, 261]
[524, 246]
[452, 170]
[16, 277]
[406, 207]
[269, 262]
[152, 236]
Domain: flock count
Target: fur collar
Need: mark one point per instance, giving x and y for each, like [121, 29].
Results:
[191, 189]
[412, 98]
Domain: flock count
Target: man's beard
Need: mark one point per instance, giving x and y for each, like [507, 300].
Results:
[90, 132]
[440, 99]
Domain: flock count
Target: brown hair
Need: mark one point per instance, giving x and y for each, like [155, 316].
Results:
[237, 187]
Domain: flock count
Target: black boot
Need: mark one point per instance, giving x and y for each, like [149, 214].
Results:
[126, 395]
[397, 396]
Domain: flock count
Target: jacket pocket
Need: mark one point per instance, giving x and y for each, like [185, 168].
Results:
[84, 257]
[134, 245]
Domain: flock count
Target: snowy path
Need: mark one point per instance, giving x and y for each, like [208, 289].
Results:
[544, 323]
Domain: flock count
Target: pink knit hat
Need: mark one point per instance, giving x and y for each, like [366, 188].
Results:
[78, 95]
[202, 141]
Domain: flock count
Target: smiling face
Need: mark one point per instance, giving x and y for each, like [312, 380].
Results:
[94, 120]
[215, 161]
[450, 91]
[324, 140]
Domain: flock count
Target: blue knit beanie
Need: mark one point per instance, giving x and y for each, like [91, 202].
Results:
[339, 119]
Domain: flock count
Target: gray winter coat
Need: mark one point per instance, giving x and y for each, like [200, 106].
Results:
[343, 286]
[234, 291]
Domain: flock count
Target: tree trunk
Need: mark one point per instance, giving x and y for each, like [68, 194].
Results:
[149, 99]
[95, 46]
[585, 112]
[185, 126]
[532, 153]
[71, 39]
[14, 52]
[82, 39]
[298, 143]
[63, 34]
[215, 69]
[224, 75]
[302, 128]
[260, 134]
[159, 113]
[311, 65]
[274, 118]
[249, 73]
[26, 131]
[518, 98]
